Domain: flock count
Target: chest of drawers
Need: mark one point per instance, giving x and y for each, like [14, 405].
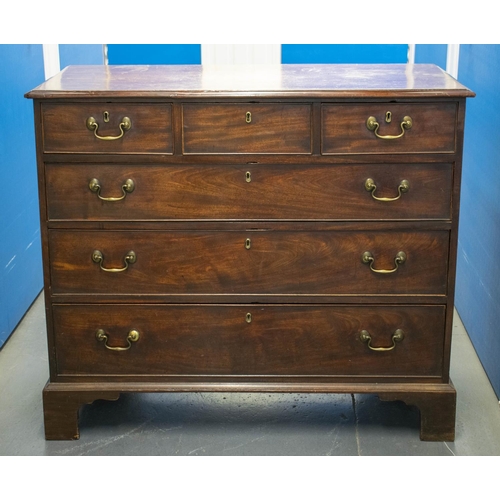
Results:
[272, 229]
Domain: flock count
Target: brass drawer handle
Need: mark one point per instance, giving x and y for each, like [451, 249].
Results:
[127, 187]
[98, 258]
[101, 336]
[367, 258]
[124, 125]
[403, 187]
[373, 125]
[397, 336]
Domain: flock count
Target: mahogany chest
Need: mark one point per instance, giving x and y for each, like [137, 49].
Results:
[250, 228]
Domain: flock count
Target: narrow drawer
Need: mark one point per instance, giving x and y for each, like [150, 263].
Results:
[344, 128]
[248, 262]
[249, 192]
[107, 128]
[246, 128]
[249, 340]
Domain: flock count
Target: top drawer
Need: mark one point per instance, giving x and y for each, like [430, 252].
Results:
[107, 128]
[246, 128]
[402, 128]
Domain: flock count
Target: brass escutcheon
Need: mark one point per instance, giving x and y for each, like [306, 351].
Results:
[248, 117]
[248, 317]
[248, 244]
[248, 177]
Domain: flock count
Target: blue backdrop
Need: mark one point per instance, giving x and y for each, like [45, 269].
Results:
[154, 54]
[431, 53]
[478, 273]
[20, 252]
[291, 53]
[343, 53]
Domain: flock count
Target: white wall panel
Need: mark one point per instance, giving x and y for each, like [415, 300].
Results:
[452, 59]
[241, 54]
[411, 53]
[51, 62]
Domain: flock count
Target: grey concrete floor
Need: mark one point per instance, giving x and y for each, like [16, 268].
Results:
[237, 424]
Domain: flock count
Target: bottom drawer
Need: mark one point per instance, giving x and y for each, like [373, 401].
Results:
[248, 340]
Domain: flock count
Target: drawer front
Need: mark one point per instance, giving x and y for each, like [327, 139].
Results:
[66, 128]
[249, 340]
[249, 192]
[344, 128]
[248, 262]
[246, 128]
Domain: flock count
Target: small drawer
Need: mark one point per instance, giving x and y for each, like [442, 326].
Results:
[249, 340]
[248, 192]
[388, 128]
[248, 262]
[246, 128]
[107, 128]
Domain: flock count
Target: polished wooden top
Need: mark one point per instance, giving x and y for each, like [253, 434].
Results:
[287, 80]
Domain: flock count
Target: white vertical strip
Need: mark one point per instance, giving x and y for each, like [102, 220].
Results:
[240, 53]
[51, 62]
[452, 56]
[411, 53]
[207, 53]
[105, 58]
[268, 54]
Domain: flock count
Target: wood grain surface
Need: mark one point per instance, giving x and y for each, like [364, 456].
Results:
[281, 192]
[273, 128]
[279, 340]
[278, 262]
[250, 81]
[344, 129]
[65, 129]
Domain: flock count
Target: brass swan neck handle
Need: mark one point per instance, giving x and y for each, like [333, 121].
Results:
[373, 125]
[397, 336]
[124, 125]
